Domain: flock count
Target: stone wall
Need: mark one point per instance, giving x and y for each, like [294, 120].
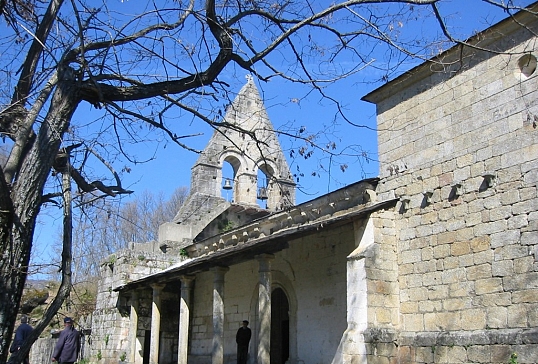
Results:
[312, 273]
[460, 148]
[110, 320]
[42, 350]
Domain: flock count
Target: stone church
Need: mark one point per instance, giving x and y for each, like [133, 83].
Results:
[434, 261]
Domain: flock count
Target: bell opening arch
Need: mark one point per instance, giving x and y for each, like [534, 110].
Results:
[230, 166]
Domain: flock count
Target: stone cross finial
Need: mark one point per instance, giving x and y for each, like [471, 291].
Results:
[248, 77]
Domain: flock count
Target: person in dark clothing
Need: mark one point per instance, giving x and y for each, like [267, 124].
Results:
[68, 345]
[242, 338]
[22, 332]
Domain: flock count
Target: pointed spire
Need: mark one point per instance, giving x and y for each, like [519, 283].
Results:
[246, 154]
[247, 109]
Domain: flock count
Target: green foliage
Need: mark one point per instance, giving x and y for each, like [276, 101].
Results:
[83, 361]
[34, 297]
[141, 257]
[112, 260]
[123, 356]
[99, 355]
[81, 302]
[183, 252]
[513, 358]
[107, 338]
[225, 225]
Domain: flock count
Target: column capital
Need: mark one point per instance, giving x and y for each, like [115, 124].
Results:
[219, 272]
[157, 286]
[265, 257]
[264, 260]
[186, 281]
[220, 269]
[134, 296]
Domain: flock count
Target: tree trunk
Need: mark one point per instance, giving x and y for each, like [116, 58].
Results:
[17, 224]
[66, 285]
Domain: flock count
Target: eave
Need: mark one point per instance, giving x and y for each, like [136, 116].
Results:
[450, 60]
[300, 221]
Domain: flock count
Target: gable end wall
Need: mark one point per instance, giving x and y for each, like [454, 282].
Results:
[468, 255]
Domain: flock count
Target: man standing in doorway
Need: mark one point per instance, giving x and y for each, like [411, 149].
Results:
[242, 338]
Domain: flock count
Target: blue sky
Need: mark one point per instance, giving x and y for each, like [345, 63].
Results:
[171, 167]
[290, 104]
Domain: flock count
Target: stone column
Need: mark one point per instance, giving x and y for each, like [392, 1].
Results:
[217, 356]
[246, 187]
[155, 323]
[184, 318]
[264, 308]
[133, 329]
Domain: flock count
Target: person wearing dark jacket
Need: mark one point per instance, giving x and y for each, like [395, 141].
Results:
[242, 338]
[68, 345]
[22, 332]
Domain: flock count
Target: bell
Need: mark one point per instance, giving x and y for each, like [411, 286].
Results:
[262, 193]
[227, 184]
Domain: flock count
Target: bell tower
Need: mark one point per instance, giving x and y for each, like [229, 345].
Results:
[249, 144]
[261, 180]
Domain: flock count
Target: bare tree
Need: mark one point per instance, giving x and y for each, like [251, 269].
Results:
[150, 70]
[108, 226]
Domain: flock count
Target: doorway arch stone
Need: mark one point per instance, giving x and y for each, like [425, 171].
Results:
[279, 280]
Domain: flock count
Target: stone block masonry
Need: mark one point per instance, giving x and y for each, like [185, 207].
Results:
[467, 252]
[437, 262]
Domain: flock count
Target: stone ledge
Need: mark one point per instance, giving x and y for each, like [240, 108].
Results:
[336, 204]
[380, 335]
[465, 338]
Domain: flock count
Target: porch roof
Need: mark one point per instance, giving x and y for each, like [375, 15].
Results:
[271, 234]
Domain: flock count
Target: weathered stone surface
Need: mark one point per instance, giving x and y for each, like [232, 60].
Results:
[449, 277]
[486, 241]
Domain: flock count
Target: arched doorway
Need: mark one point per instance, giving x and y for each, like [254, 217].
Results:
[280, 327]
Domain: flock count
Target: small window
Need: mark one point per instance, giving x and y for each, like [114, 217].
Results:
[526, 66]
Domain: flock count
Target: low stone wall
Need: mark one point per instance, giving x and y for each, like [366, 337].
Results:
[495, 346]
[110, 320]
[481, 346]
[42, 350]
[104, 334]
